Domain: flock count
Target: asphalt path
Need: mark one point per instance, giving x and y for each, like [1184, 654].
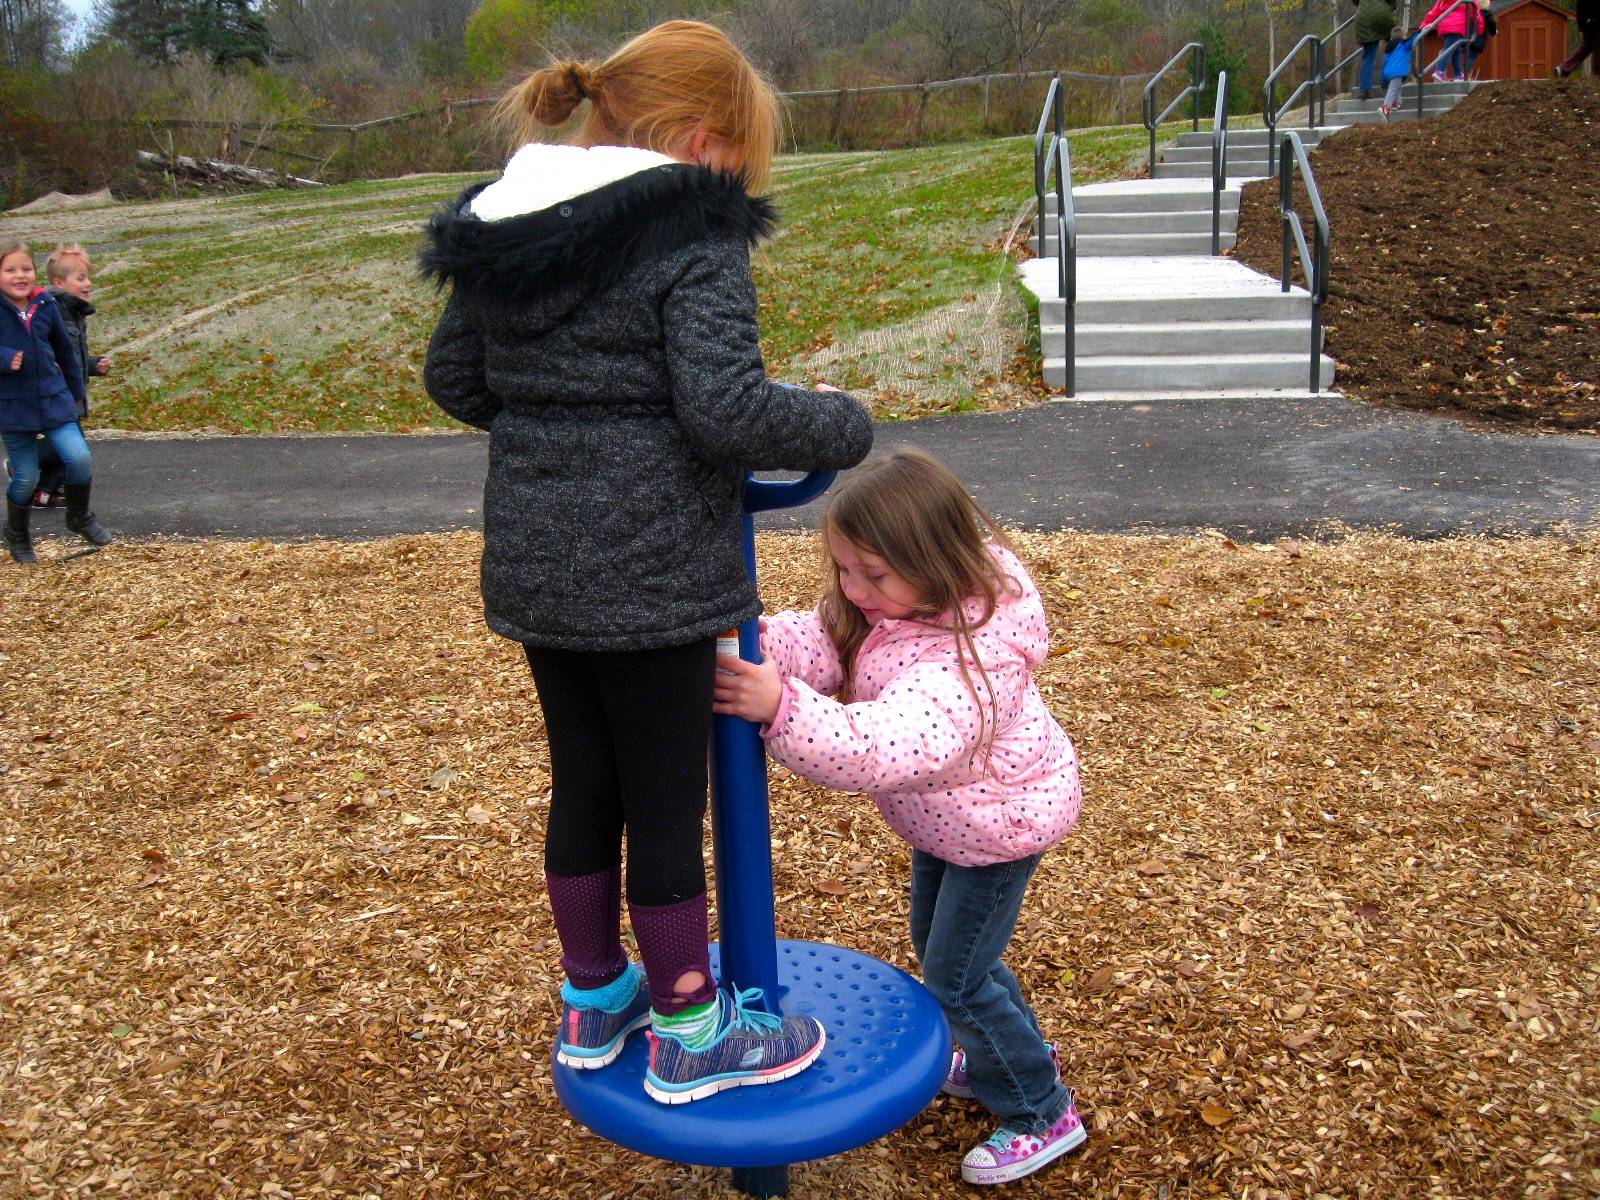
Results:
[1260, 469]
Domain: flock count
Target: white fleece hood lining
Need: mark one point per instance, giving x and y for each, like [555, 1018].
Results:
[541, 176]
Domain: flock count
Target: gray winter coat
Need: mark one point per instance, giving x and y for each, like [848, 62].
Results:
[75, 314]
[608, 343]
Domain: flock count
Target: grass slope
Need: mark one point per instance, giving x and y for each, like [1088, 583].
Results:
[302, 311]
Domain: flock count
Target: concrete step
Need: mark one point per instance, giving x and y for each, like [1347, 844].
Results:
[1250, 137]
[1163, 290]
[1409, 90]
[1238, 172]
[1237, 153]
[1183, 338]
[1194, 220]
[1431, 106]
[1374, 117]
[1144, 196]
[1123, 244]
[1162, 310]
[1109, 373]
[1171, 395]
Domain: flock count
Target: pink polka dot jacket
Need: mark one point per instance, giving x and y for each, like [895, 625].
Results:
[913, 737]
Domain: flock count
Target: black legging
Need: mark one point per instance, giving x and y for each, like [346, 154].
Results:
[628, 734]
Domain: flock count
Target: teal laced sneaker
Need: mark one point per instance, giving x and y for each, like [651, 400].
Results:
[591, 1035]
[751, 1047]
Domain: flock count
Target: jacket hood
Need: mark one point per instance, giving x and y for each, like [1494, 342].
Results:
[1018, 620]
[73, 306]
[562, 213]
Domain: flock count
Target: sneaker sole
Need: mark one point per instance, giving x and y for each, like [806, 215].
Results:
[754, 1079]
[960, 1093]
[605, 1056]
[988, 1175]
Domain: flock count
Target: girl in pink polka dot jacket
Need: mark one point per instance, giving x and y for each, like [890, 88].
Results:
[912, 681]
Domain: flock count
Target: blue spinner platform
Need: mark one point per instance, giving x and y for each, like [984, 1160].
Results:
[887, 1054]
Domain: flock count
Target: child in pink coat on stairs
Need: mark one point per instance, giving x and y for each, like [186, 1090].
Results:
[912, 681]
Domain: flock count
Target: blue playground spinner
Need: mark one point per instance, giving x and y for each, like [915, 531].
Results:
[888, 1046]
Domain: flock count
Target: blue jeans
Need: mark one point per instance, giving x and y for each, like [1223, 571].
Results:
[1460, 51]
[962, 919]
[1369, 61]
[22, 454]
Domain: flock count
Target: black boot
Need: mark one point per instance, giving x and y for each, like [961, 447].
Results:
[18, 540]
[80, 520]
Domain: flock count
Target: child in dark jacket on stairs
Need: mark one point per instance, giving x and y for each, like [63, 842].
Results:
[68, 269]
[41, 387]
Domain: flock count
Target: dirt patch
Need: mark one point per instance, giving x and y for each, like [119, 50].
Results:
[55, 202]
[272, 921]
[1466, 266]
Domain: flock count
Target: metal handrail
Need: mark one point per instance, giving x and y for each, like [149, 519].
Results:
[1416, 48]
[1337, 68]
[1219, 160]
[1292, 158]
[1273, 109]
[1197, 75]
[1056, 154]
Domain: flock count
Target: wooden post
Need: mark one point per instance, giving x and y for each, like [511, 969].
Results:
[986, 104]
[922, 111]
[838, 119]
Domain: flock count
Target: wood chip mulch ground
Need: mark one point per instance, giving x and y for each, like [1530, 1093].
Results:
[273, 922]
[1466, 271]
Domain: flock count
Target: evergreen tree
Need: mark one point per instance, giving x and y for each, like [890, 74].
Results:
[225, 31]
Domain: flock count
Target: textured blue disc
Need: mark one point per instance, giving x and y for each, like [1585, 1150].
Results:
[887, 1054]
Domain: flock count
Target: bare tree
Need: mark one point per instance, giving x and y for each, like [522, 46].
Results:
[779, 36]
[966, 36]
[1029, 24]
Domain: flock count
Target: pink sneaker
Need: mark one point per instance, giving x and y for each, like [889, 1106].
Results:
[1009, 1155]
[957, 1084]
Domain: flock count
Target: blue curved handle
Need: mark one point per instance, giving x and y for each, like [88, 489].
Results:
[760, 495]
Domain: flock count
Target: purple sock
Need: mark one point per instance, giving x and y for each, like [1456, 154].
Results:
[673, 939]
[588, 912]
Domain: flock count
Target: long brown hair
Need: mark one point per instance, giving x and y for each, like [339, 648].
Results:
[652, 94]
[910, 510]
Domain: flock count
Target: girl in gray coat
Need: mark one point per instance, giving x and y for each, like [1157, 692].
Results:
[601, 326]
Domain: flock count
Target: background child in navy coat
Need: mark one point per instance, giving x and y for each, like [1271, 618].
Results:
[41, 387]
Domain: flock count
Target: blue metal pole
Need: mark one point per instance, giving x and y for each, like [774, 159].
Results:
[741, 833]
[741, 828]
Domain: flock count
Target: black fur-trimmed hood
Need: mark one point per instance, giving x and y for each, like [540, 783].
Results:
[593, 237]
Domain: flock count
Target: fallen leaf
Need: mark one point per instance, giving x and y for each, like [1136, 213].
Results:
[479, 815]
[1215, 1115]
[1152, 866]
[832, 887]
[442, 778]
[1100, 981]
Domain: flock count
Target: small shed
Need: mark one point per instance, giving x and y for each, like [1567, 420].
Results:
[1531, 42]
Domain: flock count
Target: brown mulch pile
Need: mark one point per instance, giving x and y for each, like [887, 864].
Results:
[1466, 261]
[273, 922]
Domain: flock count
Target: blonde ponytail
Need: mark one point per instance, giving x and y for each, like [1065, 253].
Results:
[546, 98]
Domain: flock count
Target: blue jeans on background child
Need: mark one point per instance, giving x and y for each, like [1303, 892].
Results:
[962, 919]
[22, 452]
[1457, 51]
[1369, 61]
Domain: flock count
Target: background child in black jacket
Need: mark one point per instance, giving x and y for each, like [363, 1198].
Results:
[68, 269]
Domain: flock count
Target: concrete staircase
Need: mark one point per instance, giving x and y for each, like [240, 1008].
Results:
[1157, 316]
[1190, 156]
